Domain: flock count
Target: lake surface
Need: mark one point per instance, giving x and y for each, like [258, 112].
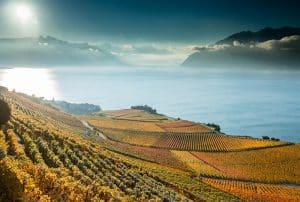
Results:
[242, 103]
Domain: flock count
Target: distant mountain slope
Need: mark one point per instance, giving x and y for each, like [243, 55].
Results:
[50, 51]
[267, 48]
[261, 35]
[74, 108]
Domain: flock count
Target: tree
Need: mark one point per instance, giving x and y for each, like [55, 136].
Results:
[146, 108]
[4, 112]
[216, 127]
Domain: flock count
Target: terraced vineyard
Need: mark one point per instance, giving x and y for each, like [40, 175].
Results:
[202, 141]
[139, 123]
[46, 155]
[54, 151]
[160, 156]
[255, 191]
[45, 159]
[134, 115]
[106, 122]
[273, 165]
[183, 127]
[198, 166]
[210, 142]
[32, 106]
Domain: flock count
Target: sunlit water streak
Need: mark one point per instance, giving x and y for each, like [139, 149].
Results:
[38, 82]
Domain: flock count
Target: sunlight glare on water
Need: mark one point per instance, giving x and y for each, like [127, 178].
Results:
[38, 82]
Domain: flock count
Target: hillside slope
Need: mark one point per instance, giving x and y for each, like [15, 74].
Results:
[48, 155]
[47, 158]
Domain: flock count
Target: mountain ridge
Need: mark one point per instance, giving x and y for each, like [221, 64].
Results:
[265, 49]
[265, 34]
[51, 51]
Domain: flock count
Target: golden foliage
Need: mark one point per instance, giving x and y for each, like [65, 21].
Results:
[105, 122]
[200, 167]
[49, 158]
[210, 141]
[135, 115]
[256, 192]
[280, 164]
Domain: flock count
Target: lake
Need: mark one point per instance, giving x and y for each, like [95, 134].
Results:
[242, 103]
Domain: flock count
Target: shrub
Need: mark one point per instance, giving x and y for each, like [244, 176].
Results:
[2, 153]
[4, 112]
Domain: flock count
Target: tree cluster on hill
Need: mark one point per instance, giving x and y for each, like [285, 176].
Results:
[216, 127]
[83, 108]
[272, 138]
[145, 108]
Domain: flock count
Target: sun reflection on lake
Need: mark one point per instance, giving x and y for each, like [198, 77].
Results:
[38, 82]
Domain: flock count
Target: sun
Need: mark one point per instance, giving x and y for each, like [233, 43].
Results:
[24, 14]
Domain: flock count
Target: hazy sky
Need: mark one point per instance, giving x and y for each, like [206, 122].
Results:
[152, 20]
[157, 30]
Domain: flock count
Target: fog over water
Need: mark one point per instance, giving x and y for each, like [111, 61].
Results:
[243, 103]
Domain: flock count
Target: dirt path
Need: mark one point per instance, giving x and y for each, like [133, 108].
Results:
[87, 125]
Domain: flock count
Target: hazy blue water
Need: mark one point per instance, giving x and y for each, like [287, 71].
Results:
[242, 103]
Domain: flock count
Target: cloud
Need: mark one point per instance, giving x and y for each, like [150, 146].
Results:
[158, 54]
[134, 49]
[289, 43]
[215, 47]
[128, 47]
[280, 53]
